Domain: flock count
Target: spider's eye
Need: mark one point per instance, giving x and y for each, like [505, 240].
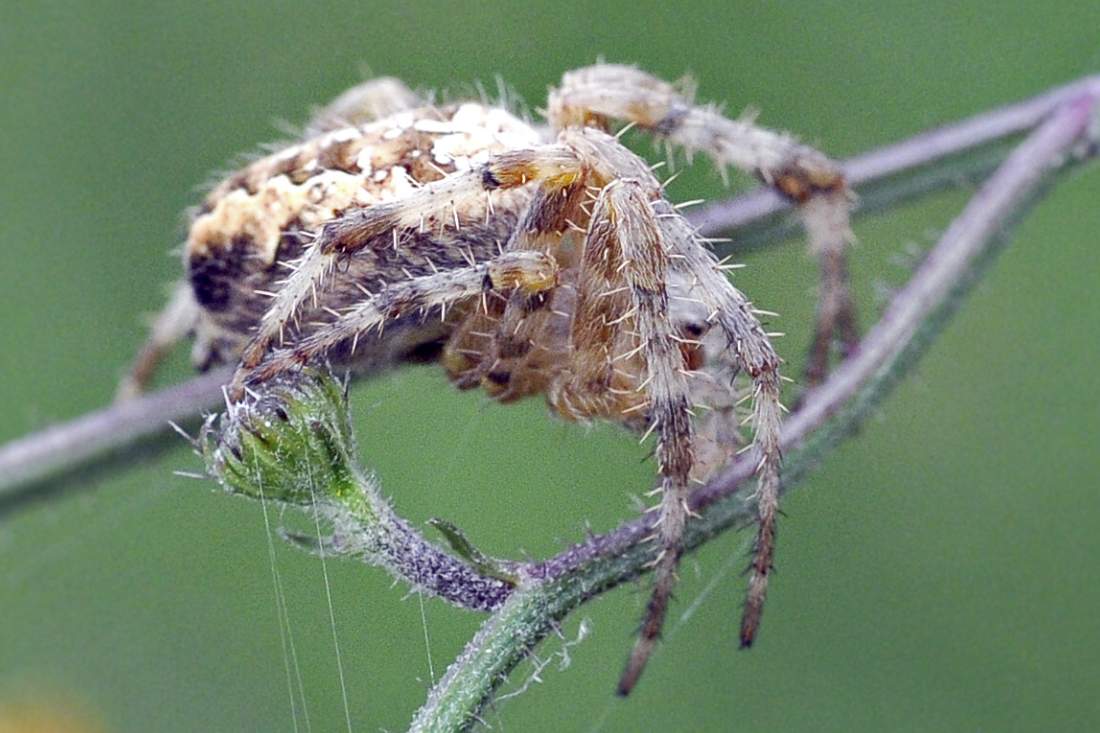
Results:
[694, 330]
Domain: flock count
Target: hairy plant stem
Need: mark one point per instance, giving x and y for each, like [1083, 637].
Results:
[830, 413]
[294, 445]
[945, 157]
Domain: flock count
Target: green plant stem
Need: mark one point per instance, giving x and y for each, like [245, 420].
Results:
[829, 414]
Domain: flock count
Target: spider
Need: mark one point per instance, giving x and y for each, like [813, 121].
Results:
[526, 260]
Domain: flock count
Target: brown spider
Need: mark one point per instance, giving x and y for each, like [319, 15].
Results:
[527, 260]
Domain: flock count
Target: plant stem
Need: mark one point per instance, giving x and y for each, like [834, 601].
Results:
[926, 160]
[293, 445]
[61, 448]
[830, 413]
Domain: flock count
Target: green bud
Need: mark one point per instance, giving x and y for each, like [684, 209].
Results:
[292, 443]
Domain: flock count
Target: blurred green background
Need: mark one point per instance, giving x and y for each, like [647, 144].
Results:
[940, 572]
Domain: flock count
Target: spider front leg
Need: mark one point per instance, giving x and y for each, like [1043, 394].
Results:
[756, 356]
[624, 245]
[805, 176]
[526, 272]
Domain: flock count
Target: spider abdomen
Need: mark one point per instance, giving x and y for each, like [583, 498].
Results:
[254, 224]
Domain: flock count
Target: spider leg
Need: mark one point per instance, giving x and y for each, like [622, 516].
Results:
[526, 272]
[716, 393]
[637, 246]
[172, 324]
[606, 355]
[525, 333]
[757, 357]
[624, 243]
[836, 315]
[603, 92]
[365, 102]
[432, 204]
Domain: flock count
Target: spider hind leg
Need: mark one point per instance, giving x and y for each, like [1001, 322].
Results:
[177, 319]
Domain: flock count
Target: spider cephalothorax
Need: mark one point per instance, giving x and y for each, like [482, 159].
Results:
[526, 260]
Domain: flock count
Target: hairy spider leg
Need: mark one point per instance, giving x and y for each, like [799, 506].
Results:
[169, 327]
[527, 272]
[835, 321]
[625, 226]
[596, 94]
[756, 357]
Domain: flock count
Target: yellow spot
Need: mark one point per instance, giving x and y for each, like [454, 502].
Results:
[46, 717]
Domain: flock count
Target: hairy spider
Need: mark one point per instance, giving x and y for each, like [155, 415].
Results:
[527, 261]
